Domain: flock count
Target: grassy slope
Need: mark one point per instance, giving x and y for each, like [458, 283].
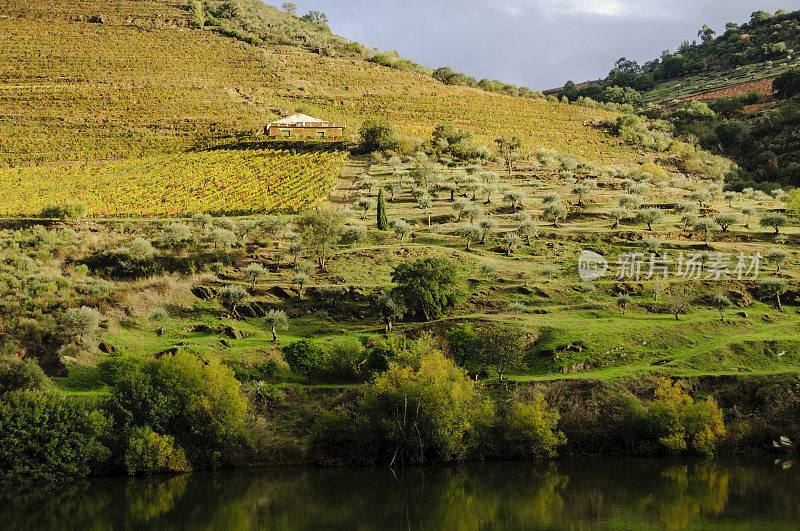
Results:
[144, 82]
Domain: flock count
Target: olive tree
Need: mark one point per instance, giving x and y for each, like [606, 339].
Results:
[777, 257]
[80, 322]
[773, 288]
[230, 297]
[389, 309]
[402, 229]
[470, 233]
[649, 216]
[773, 220]
[276, 320]
[488, 226]
[320, 229]
[725, 221]
[554, 212]
[255, 272]
[721, 303]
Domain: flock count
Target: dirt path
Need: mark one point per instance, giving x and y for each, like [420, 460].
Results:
[346, 188]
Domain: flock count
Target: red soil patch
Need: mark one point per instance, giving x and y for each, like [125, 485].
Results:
[762, 86]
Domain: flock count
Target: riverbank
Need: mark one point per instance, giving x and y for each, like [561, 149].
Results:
[594, 415]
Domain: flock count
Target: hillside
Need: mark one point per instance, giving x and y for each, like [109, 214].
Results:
[740, 115]
[120, 79]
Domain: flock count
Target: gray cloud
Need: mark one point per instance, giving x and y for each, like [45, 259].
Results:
[539, 43]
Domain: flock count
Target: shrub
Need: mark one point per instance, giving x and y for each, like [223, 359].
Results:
[683, 424]
[19, 375]
[80, 322]
[150, 453]
[304, 357]
[407, 415]
[344, 359]
[426, 286]
[49, 438]
[196, 400]
[376, 134]
[529, 429]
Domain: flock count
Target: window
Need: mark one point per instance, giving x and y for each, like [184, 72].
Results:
[286, 133]
[320, 134]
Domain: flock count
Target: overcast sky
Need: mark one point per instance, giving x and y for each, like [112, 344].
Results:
[539, 43]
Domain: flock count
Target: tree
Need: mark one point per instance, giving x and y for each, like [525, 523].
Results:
[502, 347]
[487, 269]
[19, 375]
[623, 301]
[49, 438]
[459, 205]
[649, 216]
[725, 221]
[289, 7]
[689, 219]
[470, 233]
[488, 226]
[317, 18]
[510, 240]
[729, 197]
[582, 192]
[320, 229]
[392, 188]
[472, 211]
[389, 309]
[198, 13]
[222, 238]
[749, 212]
[402, 229]
[630, 201]
[376, 134]
[383, 220]
[176, 233]
[232, 296]
[706, 34]
[787, 84]
[427, 286]
[706, 227]
[527, 230]
[701, 196]
[366, 182]
[678, 301]
[365, 204]
[301, 279]
[515, 198]
[773, 288]
[508, 149]
[554, 212]
[355, 234]
[777, 257]
[304, 357]
[80, 322]
[722, 303]
[194, 398]
[276, 320]
[255, 272]
[425, 203]
[774, 220]
[617, 214]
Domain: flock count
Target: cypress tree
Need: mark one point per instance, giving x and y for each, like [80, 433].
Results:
[383, 221]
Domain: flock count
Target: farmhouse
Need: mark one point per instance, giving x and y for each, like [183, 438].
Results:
[303, 126]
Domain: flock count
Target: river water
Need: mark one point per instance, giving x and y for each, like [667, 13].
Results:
[591, 493]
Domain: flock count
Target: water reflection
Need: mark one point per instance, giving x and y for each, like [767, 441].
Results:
[587, 493]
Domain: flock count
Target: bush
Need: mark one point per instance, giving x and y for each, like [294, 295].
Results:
[408, 415]
[376, 134]
[426, 286]
[150, 453]
[49, 438]
[344, 360]
[70, 210]
[80, 322]
[304, 357]
[20, 375]
[196, 400]
[529, 429]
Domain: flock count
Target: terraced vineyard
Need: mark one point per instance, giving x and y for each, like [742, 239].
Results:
[233, 182]
[144, 82]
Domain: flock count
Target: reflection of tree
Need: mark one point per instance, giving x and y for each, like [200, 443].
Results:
[627, 493]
